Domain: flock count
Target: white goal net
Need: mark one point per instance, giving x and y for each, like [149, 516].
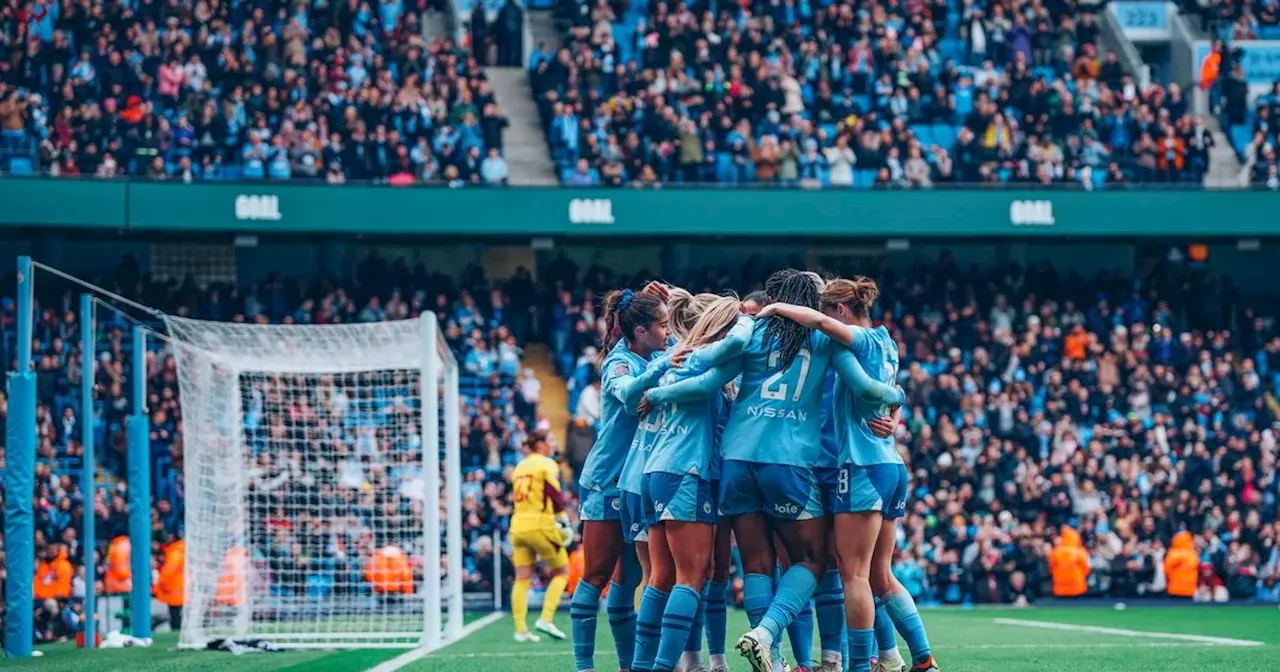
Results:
[323, 484]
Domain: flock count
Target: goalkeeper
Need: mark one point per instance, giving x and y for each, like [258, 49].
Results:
[539, 530]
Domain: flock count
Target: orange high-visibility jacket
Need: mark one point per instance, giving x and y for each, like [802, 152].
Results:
[389, 571]
[231, 576]
[53, 578]
[171, 583]
[1069, 564]
[119, 577]
[1182, 566]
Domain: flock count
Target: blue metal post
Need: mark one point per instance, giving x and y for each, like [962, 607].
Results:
[19, 482]
[139, 440]
[89, 355]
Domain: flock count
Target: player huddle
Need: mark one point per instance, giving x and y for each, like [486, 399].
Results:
[770, 419]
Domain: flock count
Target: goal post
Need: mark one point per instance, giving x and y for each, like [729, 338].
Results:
[313, 460]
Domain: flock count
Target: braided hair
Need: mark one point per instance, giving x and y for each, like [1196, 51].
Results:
[797, 288]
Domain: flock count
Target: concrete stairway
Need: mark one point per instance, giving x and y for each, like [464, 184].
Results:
[528, 157]
[435, 25]
[555, 395]
[1224, 166]
[542, 28]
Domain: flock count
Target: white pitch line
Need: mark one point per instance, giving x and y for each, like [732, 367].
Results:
[420, 653]
[1120, 632]
[1076, 647]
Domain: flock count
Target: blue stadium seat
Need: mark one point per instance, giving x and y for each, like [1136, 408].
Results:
[945, 135]
[21, 165]
[1241, 135]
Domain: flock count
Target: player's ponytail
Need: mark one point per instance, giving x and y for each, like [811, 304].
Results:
[719, 315]
[797, 288]
[683, 309]
[858, 294]
[624, 312]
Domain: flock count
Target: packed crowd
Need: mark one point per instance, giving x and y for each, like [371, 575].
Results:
[222, 91]
[862, 94]
[1037, 400]
[485, 325]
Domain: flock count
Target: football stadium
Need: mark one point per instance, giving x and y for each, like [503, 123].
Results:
[639, 335]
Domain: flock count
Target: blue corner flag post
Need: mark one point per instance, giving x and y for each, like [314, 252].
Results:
[19, 482]
[89, 355]
[139, 442]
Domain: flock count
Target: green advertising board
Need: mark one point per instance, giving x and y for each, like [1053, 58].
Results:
[264, 207]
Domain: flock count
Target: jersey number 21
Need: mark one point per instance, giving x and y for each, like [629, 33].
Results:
[773, 388]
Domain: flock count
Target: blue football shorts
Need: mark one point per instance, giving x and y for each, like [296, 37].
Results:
[784, 491]
[685, 498]
[874, 487]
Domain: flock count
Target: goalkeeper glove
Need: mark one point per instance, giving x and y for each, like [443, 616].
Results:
[565, 529]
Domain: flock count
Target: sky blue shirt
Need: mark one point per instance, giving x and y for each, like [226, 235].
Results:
[877, 352]
[688, 434]
[831, 454]
[619, 395]
[646, 429]
[778, 414]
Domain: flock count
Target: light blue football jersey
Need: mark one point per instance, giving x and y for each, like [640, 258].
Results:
[877, 352]
[688, 434]
[777, 416]
[831, 453]
[617, 415]
[646, 431]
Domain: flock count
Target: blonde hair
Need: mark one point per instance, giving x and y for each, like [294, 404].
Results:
[858, 294]
[684, 309]
[720, 313]
[718, 316]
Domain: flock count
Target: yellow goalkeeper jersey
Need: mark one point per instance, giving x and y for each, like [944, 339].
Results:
[537, 495]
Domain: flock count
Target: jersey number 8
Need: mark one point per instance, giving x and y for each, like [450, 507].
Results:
[773, 388]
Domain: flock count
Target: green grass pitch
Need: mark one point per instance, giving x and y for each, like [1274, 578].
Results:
[1049, 640]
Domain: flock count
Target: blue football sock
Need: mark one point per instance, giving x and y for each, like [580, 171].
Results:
[677, 621]
[793, 594]
[861, 646]
[886, 638]
[717, 616]
[757, 593]
[649, 628]
[695, 631]
[902, 610]
[800, 632]
[620, 604]
[828, 602]
[583, 611]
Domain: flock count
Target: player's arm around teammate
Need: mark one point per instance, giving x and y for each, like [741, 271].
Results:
[680, 497]
[637, 327]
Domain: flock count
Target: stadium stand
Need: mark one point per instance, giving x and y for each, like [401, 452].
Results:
[1127, 410]
[229, 91]
[497, 416]
[850, 94]
[1037, 398]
